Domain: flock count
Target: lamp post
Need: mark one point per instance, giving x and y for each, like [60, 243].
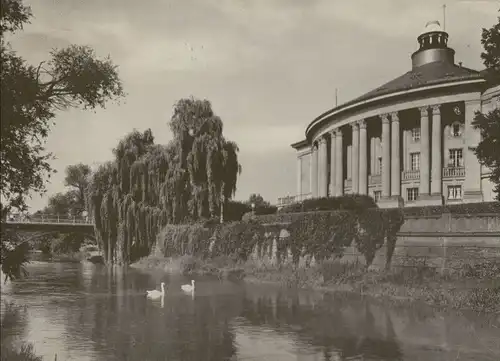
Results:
[253, 209]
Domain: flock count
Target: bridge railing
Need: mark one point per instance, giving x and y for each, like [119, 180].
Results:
[51, 220]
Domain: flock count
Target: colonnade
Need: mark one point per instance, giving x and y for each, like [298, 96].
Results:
[328, 179]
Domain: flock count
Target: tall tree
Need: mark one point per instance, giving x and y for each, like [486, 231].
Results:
[77, 177]
[30, 98]
[147, 185]
[489, 123]
[257, 200]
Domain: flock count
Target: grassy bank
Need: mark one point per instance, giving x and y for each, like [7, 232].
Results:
[475, 288]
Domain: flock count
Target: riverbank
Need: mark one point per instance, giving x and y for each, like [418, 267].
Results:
[474, 288]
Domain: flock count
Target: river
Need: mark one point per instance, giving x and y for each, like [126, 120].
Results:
[82, 311]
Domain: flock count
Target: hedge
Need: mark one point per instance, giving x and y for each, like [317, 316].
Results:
[463, 208]
[320, 234]
[354, 202]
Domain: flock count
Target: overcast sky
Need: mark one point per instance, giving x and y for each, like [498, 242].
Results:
[268, 67]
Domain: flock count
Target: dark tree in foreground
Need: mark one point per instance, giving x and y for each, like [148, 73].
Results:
[488, 150]
[30, 98]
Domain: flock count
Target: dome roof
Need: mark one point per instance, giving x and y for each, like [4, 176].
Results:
[432, 26]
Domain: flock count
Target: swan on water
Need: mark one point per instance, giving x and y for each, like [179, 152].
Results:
[188, 288]
[156, 293]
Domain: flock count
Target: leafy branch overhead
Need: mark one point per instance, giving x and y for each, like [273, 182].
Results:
[32, 95]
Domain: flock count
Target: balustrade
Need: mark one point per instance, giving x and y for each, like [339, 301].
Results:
[453, 172]
[411, 174]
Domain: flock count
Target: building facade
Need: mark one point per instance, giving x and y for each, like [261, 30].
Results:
[408, 142]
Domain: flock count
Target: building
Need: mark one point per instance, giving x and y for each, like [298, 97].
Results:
[408, 142]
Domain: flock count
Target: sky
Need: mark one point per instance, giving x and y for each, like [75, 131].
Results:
[268, 67]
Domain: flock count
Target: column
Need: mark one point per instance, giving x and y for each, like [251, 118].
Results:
[314, 171]
[363, 158]
[386, 157]
[333, 190]
[424, 152]
[299, 178]
[437, 156]
[355, 158]
[323, 168]
[395, 160]
[472, 183]
[339, 164]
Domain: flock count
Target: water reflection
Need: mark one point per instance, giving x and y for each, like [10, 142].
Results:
[90, 312]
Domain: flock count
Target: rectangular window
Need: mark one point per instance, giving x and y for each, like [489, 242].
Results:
[454, 192]
[377, 195]
[455, 158]
[415, 134]
[412, 194]
[415, 161]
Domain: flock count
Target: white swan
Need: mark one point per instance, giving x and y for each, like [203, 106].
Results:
[188, 288]
[156, 293]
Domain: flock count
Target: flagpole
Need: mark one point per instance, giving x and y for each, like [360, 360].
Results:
[444, 17]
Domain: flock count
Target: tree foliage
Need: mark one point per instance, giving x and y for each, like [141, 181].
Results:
[77, 178]
[32, 95]
[148, 185]
[490, 39]
[489, 123]
[488, 149]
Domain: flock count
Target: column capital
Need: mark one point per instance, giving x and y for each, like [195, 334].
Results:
[338, 132]
[333, 133]
[424, 111]
[395, 117]
[384, 118]
[436, 109]
[354, 125]
[362, 124]
[322, 140]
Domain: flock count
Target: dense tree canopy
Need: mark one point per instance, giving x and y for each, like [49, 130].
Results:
[148, 185]
[489, 123]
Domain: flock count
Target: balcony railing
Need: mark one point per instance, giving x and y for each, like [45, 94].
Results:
[453, 172]
[283, 201]
[375, 179]
[411, 174]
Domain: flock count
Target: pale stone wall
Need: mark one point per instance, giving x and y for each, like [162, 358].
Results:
[443, 242]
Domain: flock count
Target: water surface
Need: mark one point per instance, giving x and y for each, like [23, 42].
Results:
[89, 312]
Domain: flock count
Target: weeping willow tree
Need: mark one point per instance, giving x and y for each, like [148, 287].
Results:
[148, 185]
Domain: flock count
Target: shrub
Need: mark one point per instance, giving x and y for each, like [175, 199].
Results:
[238, 238]
[179, 240]
[464, 208]
[353, 202]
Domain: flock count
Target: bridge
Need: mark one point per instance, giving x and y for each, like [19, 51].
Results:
[56, 224]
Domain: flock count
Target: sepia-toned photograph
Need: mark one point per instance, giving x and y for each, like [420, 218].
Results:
[250, 180]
